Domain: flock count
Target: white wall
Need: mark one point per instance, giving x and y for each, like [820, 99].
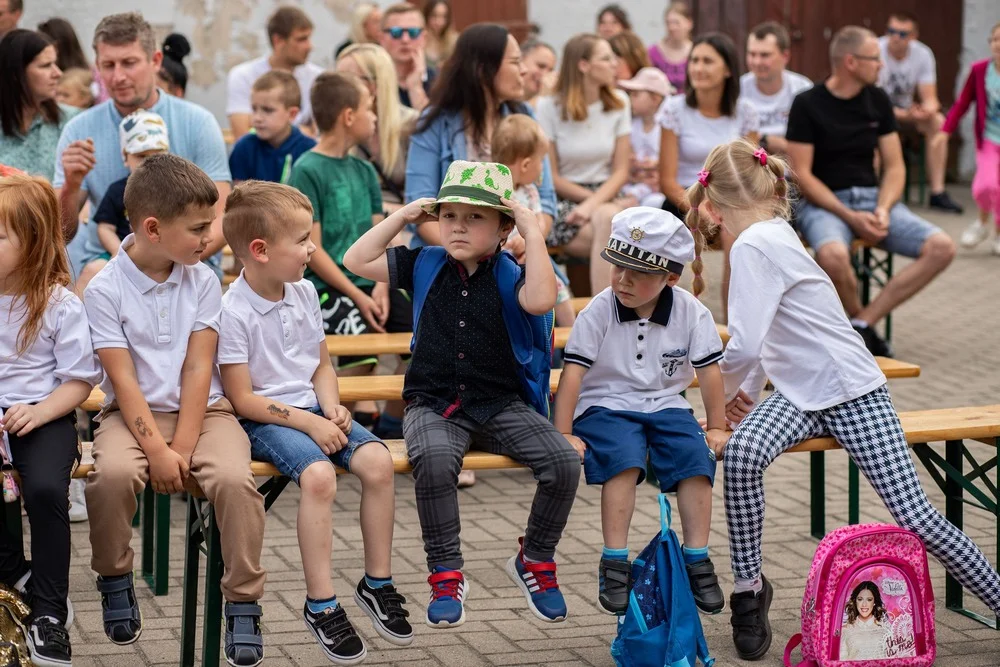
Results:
[222, 32]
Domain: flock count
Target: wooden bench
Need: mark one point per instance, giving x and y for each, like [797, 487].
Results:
[954, 426]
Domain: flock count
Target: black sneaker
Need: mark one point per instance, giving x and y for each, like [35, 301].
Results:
[385, 607]
[48, 642]
[875, 343]
[705, 587]
[336, 636]
[614, 581]
[23, 586]
[943, 202]
[751, 627]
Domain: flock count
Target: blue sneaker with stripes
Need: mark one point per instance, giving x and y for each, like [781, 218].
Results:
[538, 583]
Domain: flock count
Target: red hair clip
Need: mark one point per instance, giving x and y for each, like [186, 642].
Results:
[761, 155]
[703, 177]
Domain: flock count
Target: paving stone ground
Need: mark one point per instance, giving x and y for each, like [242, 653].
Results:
[950, 329]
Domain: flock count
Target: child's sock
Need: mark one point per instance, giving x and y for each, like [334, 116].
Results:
[319, 606]
[692, 556]
[614, 554]
[747, 585]
[861, 324]
[377, 582]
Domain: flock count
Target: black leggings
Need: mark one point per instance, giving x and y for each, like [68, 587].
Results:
[44, 459]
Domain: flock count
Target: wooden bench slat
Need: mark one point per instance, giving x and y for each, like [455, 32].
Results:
[390, 387]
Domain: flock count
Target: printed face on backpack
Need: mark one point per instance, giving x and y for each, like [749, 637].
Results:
[879, 620]
[469, 232]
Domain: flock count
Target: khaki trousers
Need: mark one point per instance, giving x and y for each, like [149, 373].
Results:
[221, 467]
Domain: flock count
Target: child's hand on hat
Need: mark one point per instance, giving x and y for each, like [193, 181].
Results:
[414, 214]
[525, 219]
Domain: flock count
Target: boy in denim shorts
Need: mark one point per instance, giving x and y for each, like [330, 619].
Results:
[277, 372]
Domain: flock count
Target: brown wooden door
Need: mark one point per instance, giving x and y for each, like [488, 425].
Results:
[511, 13]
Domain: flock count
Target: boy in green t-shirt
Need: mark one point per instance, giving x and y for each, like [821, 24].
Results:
[347, 201]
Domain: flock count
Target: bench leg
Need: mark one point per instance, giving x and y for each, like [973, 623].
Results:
[954, 511]
[853, 491]
[155, 540]
[147, 508]
[817, 491]
[212, 630]
[189, 605]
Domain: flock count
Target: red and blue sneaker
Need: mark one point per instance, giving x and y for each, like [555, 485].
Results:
[446, 608]
[538, 583]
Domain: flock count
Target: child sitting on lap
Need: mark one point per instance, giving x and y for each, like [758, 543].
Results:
[277, 372]
[465, 385]
[633, 351]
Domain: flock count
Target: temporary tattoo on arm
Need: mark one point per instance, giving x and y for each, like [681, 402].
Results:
[140, 426]
[278, 412]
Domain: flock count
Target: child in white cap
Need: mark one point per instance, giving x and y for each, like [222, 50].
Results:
[142, 134]
[633, 351]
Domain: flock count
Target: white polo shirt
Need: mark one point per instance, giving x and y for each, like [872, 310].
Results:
[638, 364]
[154, 321]
[279, 340]
[61, 352]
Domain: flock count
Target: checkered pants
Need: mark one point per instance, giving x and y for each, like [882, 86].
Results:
[868, 428]
[435, 447]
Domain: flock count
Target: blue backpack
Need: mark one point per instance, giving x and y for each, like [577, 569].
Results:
[530, 335]
[660, 627]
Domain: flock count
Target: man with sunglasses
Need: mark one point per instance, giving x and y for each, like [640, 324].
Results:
[909, 75]
[403, 38]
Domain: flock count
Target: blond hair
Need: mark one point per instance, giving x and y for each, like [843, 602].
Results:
[736, 181]
[358, 18]
[29, 208]
[80, 79]
[569, 89]
[378, 67]
[516, 137]
[257, 210]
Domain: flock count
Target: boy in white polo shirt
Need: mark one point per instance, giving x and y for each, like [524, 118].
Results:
[277, 372]
[154, 317]
[633, 351]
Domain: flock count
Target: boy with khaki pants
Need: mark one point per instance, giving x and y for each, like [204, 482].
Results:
[154, 316]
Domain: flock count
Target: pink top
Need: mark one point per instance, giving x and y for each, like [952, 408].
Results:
[676, 71]
[974, 89]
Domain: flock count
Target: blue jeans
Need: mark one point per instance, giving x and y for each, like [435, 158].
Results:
[907, 231]
[292, 451]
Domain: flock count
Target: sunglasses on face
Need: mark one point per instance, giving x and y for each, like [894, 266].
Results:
[902, 34]
[397, 33]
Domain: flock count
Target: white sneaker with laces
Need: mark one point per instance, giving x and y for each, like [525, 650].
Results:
[77, 501]
[975, 233]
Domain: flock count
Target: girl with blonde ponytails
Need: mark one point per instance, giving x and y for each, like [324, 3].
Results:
[787, 325]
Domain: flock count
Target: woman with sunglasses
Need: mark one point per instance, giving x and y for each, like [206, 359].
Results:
[404, 38]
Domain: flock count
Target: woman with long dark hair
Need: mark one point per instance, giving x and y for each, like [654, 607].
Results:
[480, 84]
[70, 55]
[863, 636]
[30, 118]
[441, 34]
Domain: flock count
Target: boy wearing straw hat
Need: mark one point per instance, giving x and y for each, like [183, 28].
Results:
[473, 380]
[633, 351]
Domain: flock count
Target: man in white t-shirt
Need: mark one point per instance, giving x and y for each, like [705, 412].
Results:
[909, 71]
[768, 84]
[289, 31]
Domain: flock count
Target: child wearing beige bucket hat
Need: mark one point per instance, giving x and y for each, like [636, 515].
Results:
[471, 376]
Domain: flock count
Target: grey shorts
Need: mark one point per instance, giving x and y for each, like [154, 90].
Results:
[907, 231]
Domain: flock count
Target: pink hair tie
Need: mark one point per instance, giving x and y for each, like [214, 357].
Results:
[781, 178]
[761, 155]
[703, 177]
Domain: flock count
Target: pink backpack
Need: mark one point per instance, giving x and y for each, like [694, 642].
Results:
[868, 601]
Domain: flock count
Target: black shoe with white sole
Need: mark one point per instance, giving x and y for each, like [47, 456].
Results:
[48, 643]
[336, 636]
[23, 586]
[385, 607]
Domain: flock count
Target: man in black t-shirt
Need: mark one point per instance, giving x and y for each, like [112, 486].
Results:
[833, 132]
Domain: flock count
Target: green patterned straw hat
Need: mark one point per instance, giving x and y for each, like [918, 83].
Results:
[475, 183]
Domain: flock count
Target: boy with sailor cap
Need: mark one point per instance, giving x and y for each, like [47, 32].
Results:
[633, 351]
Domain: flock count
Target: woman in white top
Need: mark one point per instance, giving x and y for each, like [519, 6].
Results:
[48, 368]
[588, 123]
[787, 325]
[863, 636]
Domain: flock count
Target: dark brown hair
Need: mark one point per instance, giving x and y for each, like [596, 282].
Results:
[909, 17]
[618, 12]
[256, 210]
[291, 94]
[165, 186]
[878, 609]
[332, 93]
[69, 53]
[286, 20]
[766, 28]
[628, 47]
[17, 49]
[724, 46]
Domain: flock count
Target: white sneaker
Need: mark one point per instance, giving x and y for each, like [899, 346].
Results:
[975, 234]
[77, 501]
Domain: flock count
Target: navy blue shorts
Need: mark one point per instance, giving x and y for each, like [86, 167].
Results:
[620, 439]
